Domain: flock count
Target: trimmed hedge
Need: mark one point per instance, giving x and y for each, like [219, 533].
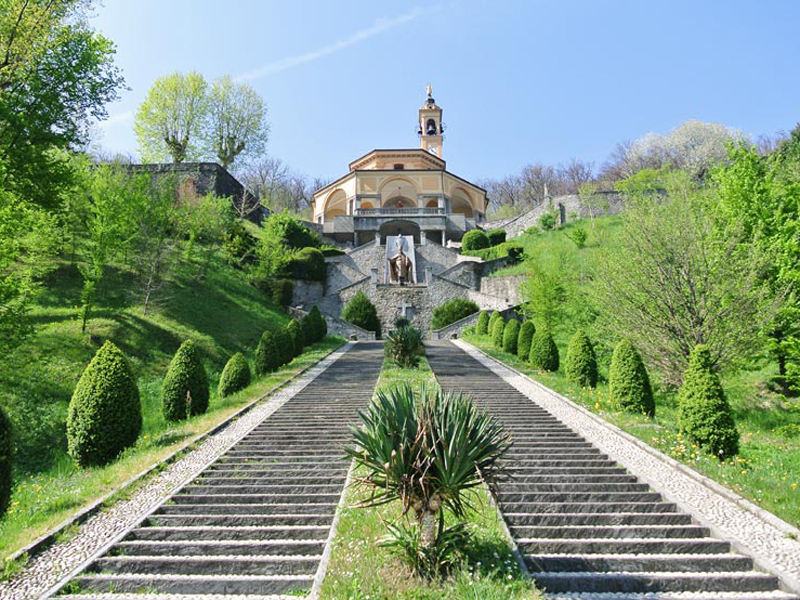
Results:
[105, 413]
[544, 352]
[482, 328]
[314, 326]
[496, 236]
[185, 389]
[361, 312]
[308, 263]
[510, 336]
[451, 311]
[580, 364]
[235, 376]
[526, 331]
[6, 461]
[280, 291]
[475, 240]
[296, 332]
[268, 356]
[492, 320]
[513, 250]
[498, 329]
[704, 414]
[628, 381]
[285, 345]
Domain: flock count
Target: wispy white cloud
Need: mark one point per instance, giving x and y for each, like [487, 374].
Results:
[118, 119]
[378, 27]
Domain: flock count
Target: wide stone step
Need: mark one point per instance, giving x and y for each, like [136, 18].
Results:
[207, 565]
[296, 457]
[272, 469]
[569, 497]
[266, 509]
[570, 479]
[563, 471]
[574, 462]
[301, 488]
[268, 480]
[564, 518]
[636, 563]
[220, 548]
[249, 499]
[625, 582]
[622, 546]
[195, 585]
[615, 531]
[515, 487]
[587, 507]
[195, 519]
[275, 532]
[768, 595]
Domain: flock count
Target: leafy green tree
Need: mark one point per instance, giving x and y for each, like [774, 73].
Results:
[763, 194]
[204, 221]
[482, 327]
[547, 290]
[185, 388]
[498, 329]
[510, 336]
[56, 76]
[580, 363]
[666, 293]
[704, 414]
[428, 452]
[237, 121]
[544, 352]
[235, 376]
[285, 344]
[105, 413]
[170, 121]
[629, 382]
[475, 239]
[268, 355]
[6, 460]
[361, 312]
[526, 332]
[451, 311]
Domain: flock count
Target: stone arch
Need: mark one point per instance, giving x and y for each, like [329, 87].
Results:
[367, 204]
[432, 203]
[335, 204]
[398, 187]
[400, 227]
[461, 203]
[399, 202]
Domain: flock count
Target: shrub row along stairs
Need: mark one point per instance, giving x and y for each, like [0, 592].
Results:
[255, 522]
[585, 526]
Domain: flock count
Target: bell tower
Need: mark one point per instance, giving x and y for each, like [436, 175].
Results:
[431, 128]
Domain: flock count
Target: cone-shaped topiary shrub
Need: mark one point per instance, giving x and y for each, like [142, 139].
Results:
[580, 364]
[285, 345]
[498, 329]
[321, 324]
[544, 352]
[360, 311]
[704, 414]
[296, 332]
[314, 326]
[185, 390]
[510, 336]
[235, 376]
[307, 325]
[6, 460]
[268, 355]
[492, 320]
[628, 381]
[526, 331]
[482, 328]
[105, 414]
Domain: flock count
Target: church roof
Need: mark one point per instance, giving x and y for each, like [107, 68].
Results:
[435, 162]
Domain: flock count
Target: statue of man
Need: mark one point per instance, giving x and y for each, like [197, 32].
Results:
[402, 269]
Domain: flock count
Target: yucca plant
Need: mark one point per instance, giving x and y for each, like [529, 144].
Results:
[428, 452]
[403, 346]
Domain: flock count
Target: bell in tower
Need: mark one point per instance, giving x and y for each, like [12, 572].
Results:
[430, 127]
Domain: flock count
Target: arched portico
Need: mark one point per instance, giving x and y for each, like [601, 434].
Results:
[399, 227]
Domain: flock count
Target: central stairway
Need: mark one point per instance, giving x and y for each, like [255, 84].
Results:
[586, 527]
[255, 522]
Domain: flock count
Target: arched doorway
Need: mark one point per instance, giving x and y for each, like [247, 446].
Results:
[399, 202]
[399, 227]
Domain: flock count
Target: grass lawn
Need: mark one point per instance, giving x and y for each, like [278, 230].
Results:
[767, 470]
[220, 311]
[360, 569]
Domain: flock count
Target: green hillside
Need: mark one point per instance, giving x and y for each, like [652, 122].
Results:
[220, 311]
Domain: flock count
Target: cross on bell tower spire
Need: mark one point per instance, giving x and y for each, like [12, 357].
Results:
[431, 128]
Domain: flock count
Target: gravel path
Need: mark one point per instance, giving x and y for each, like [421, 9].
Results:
[773, 543]
[60, 560]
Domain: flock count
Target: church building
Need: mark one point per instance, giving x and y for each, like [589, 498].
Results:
[409, 192]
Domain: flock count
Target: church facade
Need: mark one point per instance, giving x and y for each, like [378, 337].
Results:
[389, 192]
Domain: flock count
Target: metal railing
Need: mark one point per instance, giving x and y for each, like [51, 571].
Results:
[382, 212]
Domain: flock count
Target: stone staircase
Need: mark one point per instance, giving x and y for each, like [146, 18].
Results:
[256, 521]
[585, 526]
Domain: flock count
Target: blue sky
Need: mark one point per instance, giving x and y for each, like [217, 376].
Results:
[519, 82]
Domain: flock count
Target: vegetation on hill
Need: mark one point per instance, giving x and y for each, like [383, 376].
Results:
[452, 310]
[360, 311]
